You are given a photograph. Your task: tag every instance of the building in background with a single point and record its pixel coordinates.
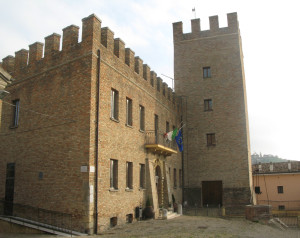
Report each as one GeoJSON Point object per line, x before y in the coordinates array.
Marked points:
{"type": "Point", "coordinates": [277, 184]}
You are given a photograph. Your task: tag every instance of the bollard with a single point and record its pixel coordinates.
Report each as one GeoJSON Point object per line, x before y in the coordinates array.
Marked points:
{"type": "Point", "coordinates": [179, 209]}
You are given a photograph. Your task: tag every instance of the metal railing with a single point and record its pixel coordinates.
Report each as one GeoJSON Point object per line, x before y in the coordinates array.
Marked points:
{"type": "Point", "coordinates": [53, 220]}
{"type": "Point", "coordinates": [157, 137]}
{"type": "Point", "coordinates": [281, 205]}
{"type": "Point", "coordinates": [207, 210]}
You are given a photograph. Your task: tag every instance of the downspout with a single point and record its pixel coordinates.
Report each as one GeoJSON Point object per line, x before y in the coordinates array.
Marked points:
{"type": "Point", "coordinates": [96, 142]}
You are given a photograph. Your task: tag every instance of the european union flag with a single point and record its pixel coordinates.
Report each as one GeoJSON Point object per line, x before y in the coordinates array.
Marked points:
{"type": "Point", "coordinates": [179, 141]}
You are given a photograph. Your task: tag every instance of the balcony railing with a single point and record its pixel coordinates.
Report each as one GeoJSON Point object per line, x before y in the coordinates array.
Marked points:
{"type": "Point", "coordinates": [158, 144]}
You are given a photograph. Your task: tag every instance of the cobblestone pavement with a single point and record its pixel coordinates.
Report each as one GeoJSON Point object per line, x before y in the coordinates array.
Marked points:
{"type": "Point", "coordinates": [189, 226]}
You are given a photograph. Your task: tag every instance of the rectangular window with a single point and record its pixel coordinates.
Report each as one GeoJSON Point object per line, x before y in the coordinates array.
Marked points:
{"type": "Point", "coordinates": [211, 139]}
{"type": "Point", "coordinates": [142, 118]}
{"type": "Point", "coordinates": [207, 105]}
{"type": "Point", "coordinates": [281, 207]}
{"type": "Point", "coordinates": [128, 112]}
{"type": "Point", "coordinates": [142, 176]}
{"type": "Point", "coordinates": [114, 104]}
{"type": "Point", "coordinates": [113, 174]}
{"type": "Point", "coordinates": [280, 189]}
{"type": "Point", "coordinates": [180, 178]}
{"type": "Point", "coordinates": [129, 174]}
{"type": "Point", "coordinates": [257, 190]}
{"type": "Point", "coordinates": [206, 72]}
{"type": "Point", "coordinates": [16, 110]}
{"type": "Point", "coordinates": [175, 179]}
{"type": "Point", "coordinates": [167, 126]}
{"type": "Point", "coordinates": [156, 128]}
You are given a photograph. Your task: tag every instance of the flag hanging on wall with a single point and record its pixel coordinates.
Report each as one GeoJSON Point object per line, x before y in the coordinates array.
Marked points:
{"type": "Point", "coordinates": [171, 135]}
{"type": "Point", "coordinates": [179, 141]}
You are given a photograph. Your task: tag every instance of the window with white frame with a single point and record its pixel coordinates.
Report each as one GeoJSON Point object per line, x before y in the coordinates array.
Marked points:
{"type": "Point", "coordinates": [128, 112]}
{"type": "Point", "coordinates": [113, 174]}
{"type": "Point", "coordinates": [114, 104]}
{"type": "Point", "coordinates": [129, 175]}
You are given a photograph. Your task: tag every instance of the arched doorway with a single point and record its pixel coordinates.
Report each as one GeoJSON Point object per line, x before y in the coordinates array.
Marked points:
{"type": "Point", "coordinates": [158, 182]}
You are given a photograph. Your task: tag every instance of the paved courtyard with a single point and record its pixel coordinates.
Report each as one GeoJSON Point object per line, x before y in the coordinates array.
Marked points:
{"type": "Point", "coordinates": [189, 226]}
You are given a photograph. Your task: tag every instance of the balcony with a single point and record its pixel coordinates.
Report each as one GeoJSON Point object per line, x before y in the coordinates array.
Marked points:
{"type": "Point", "coordinates": [157, 144]}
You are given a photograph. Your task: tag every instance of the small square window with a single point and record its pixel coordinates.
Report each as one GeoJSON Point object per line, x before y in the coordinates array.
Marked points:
{"type": "Point", "coordinates": [206, 72]}
{"type": "Point", "coordinates": [280, 189]}
{"type": "Point", "coordinates": [211, 139]}
{"type": "Point", "coordinates": [257, 190]}
{"type": "Point", "coordinates": [281, 207]}
{"type": "Point", "coordinates": [129, 218]}
{"type": "Point", "coordinates": [113, 221]}
{"type": "Point", "coordinates": [208, 105]}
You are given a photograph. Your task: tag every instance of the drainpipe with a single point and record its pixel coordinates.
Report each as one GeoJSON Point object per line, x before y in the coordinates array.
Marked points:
{"type": "Point", "coordinates": [96, 142]}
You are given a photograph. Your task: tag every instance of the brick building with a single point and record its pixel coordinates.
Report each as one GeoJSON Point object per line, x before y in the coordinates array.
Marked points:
{"type": "Point", "coordinates": [209, 76]}
{"type": "Point", "coordinates": [5, 78]}
{"type": "Point", "coordinates": [83, 127]}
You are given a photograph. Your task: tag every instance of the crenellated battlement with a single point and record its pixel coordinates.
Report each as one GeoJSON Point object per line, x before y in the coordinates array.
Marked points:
{"type": "Point", "coordinates": [58, 49]}
{"type": "Point", "coordinates": [214, 29]}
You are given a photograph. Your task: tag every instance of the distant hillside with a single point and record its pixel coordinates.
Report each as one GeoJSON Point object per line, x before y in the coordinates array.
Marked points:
{"type": "Point", "coordinates": [266, 159]}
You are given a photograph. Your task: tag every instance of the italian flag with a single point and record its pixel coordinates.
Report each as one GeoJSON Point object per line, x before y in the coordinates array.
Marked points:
{"type": "Point", "coordinates": [171, 135]}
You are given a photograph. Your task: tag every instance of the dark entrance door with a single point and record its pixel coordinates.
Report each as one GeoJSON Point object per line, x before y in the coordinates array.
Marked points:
{"type": "Point", "coordinates": [212, 193]}
{"type": "Point", "coordinates": [9, 189]}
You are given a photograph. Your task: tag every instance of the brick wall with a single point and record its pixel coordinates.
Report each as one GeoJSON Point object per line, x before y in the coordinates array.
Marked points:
{"type": "Point", "coordinates": [229, 160]}
{"type": "Point", "coordinates": [54, 145]}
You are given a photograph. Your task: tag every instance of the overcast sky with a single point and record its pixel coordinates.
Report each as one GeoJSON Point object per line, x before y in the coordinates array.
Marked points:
{"type": "Point", "coordinates": [271, 44]}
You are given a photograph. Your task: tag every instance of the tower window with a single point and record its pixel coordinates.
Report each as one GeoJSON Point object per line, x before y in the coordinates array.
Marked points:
{"type": "Point", "coordinates": [208, 105]}
{"type": "Point", "coordinates": [211, 139]}
{"type": "Point", "coordinates": [206, 72]}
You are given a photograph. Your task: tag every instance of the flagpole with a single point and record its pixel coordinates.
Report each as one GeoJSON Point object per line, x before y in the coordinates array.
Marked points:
{"type": "Point", "coordinates": [181, 127]}
{"type": "Point", "coordinates": [194, 10]}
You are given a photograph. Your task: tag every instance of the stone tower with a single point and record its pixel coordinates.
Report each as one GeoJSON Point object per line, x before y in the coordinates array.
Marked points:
{"type": "Point", "coordinates": [209, 77]}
